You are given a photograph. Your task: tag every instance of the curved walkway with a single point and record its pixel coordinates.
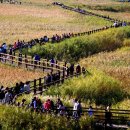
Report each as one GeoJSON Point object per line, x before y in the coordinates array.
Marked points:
{"type": "Point", "coordinates": [60, 69]}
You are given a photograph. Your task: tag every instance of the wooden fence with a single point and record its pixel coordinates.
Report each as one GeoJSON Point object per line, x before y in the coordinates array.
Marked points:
{"type": "Point", "coordinates": [87, 12]}
{"type": "Point", "coordinates": [26, 45]}
{"type": "Point", "coordinates": [29, 62]}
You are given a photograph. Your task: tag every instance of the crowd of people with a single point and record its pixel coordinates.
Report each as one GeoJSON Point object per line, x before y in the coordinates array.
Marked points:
{"type": "Point", "coordinates": [22, 44]}
{"type": "Point", "coordinates": [58, 38]}
{"type": "Point", "coordinates": [7, 94]}
{"type": "Point", "coordinates": [118, 24]}
{"type": "Point", "coordinates": [49, 106]}
{"type": "Point", "coordinates": [54, 39]}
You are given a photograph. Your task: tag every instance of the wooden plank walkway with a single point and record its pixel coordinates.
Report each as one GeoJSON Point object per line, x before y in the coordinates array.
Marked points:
{"type": "Point", "coordinates": [113, 126]}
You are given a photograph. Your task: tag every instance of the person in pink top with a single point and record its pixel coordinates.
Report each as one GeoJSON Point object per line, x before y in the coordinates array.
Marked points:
{"type": "Point", "coordinates": [47, 105]}
{"type": "Point", "coordinates": [15, 45]}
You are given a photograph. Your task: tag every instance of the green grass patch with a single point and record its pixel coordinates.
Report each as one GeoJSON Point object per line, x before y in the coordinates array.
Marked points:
{"type": "Point", "coordinates": [97, 88]}
{"type": "Point", "coordinates": [25, 22]}
{"type": "Point", "coordinates": [75, 48]}
{"type": "Point", "coordinates": [14, 118]}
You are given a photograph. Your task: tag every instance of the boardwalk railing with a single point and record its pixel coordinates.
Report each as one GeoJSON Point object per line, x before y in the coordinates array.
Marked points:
{"type": "Point", "coordinates": [87, 12]}
{"type": "Point", "coordinates": [29, 62]}
{"type": "Point", "coordinates": [58, 71]}
{"type": "Point", "coordinates": [40, 85]}
{"type": "Point", "coordinates": [36, 41]}
{"type": "Point", "coordinates": [70, 35]}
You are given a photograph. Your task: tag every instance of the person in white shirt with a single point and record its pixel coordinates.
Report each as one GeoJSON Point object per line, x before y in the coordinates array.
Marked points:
{"type": "Point", "coordinates": [27, 87]}
{"type": "Point", "coordinates": [75, 108]}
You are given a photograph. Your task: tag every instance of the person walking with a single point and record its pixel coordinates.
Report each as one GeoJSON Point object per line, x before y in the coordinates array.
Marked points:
{"type": "Point", "coordinates": [108, 116]}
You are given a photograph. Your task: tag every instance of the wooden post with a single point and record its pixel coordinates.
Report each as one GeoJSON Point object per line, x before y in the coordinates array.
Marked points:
{"type": "Point", "coordinates": [40, 81]}
{"type": "Point", "coordinates": [13, 57]}
{"type": "Point", "coordinates": [43, 66]}
{"type": "Point", "coordinates": [26, 61]}
{"type": "Point", "coordinates": [20, 59]}
{"type": "Point", "coordinates": [40, 86]}
{"type": "Point", "coordinates": [35, 86]}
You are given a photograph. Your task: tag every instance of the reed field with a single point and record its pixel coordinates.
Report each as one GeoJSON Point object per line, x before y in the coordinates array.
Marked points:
{"type": "Point", "coordinates": [105, 55]}
{"type": "Point", "coordinates": [25, 22]}
{"type": "Point", "coordinates": [111, 8]}
{"type": "Point", "coordinates": [116, 64]}
{"type": "Point", "coordinates": [11, 75]}
{"type": "Point", "coordinates": [75, 48]}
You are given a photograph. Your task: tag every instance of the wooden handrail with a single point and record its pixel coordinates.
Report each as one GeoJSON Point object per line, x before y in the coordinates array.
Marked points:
{"type": "Point", "coordinates": [32, 60]}
{"type": "Point", "coordinates": [55, 66]}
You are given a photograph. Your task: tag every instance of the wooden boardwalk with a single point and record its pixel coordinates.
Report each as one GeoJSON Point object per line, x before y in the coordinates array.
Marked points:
{"type": "Point", "coordinates": [101, 126]}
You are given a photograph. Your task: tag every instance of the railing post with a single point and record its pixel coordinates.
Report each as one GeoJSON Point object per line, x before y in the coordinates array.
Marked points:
{"type": "Point", "coordinates": [20, 59]}
{"type": "Point", "coordinates": [43, 66]}
{"type": "Point", "coordinates": [26, 61]}
{"type": "Point", "coordinates": [40, 81]}
{"type": "Point", "coordinates": [40, 86]}
{"type": "Point", "coordinates": [35, 86]}
{"type": "Point", "coordinates": [13, 57]}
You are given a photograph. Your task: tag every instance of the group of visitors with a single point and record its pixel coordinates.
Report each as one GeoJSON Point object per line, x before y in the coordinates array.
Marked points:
{"type": "Point", "coordinates": [59, 108]}
{"type": "Point", "coordinates": [22, 44]}
{"type": "Point", "coordinates": [48, 106]}
{"type": "Point", "coordinates": [58, 38]}
{"type": "Point", "coordinates": [56, 107]}
{"type": "Point", "coordinates": [52, 78]}
{"type": "Point", "coordinates": [79, 10]}
{"type": "Point", "coordinates": [118, 24]}
{"type": "Point", "coordinates": [68, 71]}
{"type": "Point", "coordinates": [7, 95]}
{"type": "Point", "coordinates": [124, 0]}
{"type": "Point", "coordinates": [29, 44]}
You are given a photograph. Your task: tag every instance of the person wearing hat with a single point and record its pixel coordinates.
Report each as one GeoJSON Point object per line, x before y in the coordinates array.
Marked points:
{"type": "Point", "coordinates": [108, 116]}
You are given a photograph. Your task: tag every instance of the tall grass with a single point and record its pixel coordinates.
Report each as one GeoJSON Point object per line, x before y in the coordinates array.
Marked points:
{"type": "Point", "coordinates": [9, 76]}
{"type": "Point", "coordinates": [115, 63]}
{"type": "Point", "coordinates": [13, 118]}
{"type": "Point", "coordinates": [96, 88]}
{"type": "Point", "coordinates": [26, 23]}
{"type": "Point", "coordinates": [76, 48]}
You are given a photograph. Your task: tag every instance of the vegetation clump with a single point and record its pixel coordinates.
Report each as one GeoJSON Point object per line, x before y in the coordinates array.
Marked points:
{"type": "Point", "coordinates": [96, 88]}
{"type": "Point", "coordinates": [76, 48]}
{"type": "Point", "coordinates": [22, 119]}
